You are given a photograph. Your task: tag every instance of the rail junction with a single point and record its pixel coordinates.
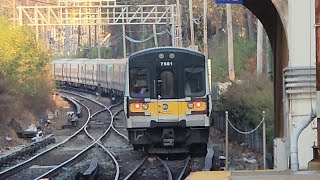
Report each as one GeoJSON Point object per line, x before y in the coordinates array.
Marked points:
{"type": "Point", "coordinates": [296, 68]}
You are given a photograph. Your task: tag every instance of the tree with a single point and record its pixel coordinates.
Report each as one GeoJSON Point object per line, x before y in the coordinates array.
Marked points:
{"type": "Point", "coordinates": [22, 61]}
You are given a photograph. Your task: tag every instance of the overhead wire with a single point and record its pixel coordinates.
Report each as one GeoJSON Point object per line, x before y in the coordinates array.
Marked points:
{"type": "Point", "coordinates": [138, 4]}
{"type": "Point", "coordinates": [147, 39]}
{"type": "Point", "coordinates": [43, 2]}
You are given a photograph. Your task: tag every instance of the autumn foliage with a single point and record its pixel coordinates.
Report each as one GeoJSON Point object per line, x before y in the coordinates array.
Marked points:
{"type": "Point", "coordinates": [23, 63]}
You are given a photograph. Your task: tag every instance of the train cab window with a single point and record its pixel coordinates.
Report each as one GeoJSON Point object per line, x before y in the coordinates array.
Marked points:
{"type": "Point", "coordinates": [139, 86]}
{"type": "Point", "coordinates": [167, 84]}
{"type": "Point", "coordinates": [194, 81]}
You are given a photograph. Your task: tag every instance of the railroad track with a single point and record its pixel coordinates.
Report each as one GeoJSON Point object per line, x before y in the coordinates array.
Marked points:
{"type": "Point", "coordinates": [95, 141]}
{"type": "Point", "coordinates": [164, 164]}
{"type": "Point", "coordinates": [27, 163]}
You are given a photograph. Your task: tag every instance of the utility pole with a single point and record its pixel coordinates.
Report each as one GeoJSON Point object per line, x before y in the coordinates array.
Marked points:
{"type": "Point", "coordinates": [259, 48]}
{"type": "Point", "coordinates": [79, 35]}
{"type": "Point", "coordinates": [173, 27]}
{"type": "Point", "coordinates": [14, 8]}
{"type": "Point", "coordinates": [124, 41]}
{"type": "Point", "coordinates": [89, 36]}
{"type": "Point", "coordinates": [179, 44]}
{"type": "Point", "coordinates": [167, 22]}
{"type": "Point", "coordinates": [155, 35]}
{"type": "Point", "coordinates": [191, 24]}
{"type": "Point", "coordinates": [230, 43]}
{"type": "Point", "coordinates": [99, 26]}
{"type": "Point", "coordinates": [205, 30]}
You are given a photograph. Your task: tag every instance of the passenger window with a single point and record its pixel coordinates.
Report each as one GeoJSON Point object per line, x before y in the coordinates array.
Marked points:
{"type": "Point", "coordinates": [194, 81]}
{"type": "Point", "coordinates": [167, 84]}
{"type": "Point", "coordinates": [139, 86]}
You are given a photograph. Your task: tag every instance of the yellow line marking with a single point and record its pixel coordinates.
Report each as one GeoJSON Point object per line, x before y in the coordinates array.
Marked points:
{"type": "Point", "coordinates": [208, 175]}
{"type": "Point", "coordinates": [267, 170]}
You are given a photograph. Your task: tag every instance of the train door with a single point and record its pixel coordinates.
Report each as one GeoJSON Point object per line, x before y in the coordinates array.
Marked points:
{"type": "Point", "coordinates": [93, 74]}
{"type": "Point", "coordinates": [99, 75]}
{"type": "Point", "coordinates": [167, 92]}
{"type": "Point", "coordinates": [78, 73]}
{"type": "Point", "coordinates": [62, 72]}
{"type": "Point", "coordinates": [70, 75]}
{"type": "Point", "coordinates": [82, 74]}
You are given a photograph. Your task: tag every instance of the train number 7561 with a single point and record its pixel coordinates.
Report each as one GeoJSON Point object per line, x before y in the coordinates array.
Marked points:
{"type": "Point", "coordinates": [166, 63]}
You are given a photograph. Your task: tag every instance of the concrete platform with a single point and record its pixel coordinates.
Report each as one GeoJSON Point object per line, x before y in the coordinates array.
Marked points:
{"type": "Point", "coordinates": [314, 165]}
{"type": "Point", "coordinates": [252, 175]}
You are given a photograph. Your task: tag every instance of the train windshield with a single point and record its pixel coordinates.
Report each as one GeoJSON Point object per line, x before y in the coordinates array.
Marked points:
{"type": "Point", "coordinates": [194, 81]}
{"type": "Point", "coordinates": [167, 84]}
{"type": "Point", "coordinates": [139, 86]}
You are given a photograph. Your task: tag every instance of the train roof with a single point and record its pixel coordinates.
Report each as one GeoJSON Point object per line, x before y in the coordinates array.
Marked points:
{"type": "Point", "coordinates": [161, 49]}
{"type": "Point", "coordinates": [92, 61]}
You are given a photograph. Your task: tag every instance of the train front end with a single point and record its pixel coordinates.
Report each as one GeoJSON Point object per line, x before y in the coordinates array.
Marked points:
{"type": "Point", "coordinates": [167, 100]}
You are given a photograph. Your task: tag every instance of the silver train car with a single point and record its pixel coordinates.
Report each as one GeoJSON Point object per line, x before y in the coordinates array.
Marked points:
{"type": "Point", "coordinates": [167, 100]}
{"type": "Point", "coordinates": [103, 75]}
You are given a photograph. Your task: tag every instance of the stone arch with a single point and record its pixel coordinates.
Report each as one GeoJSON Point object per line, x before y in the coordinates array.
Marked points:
{"type": "Point", "coordinates": [273, 15]}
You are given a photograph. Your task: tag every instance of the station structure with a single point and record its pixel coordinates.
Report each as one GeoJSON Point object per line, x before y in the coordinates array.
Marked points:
{"type": "Point", "coordinates": [293, 30]}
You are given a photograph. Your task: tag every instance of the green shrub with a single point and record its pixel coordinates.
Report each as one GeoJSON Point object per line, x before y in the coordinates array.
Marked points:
{"type": "Point", "coordinates": [244, 50]}
{"type": "Point", "coordinates": [245, 100]}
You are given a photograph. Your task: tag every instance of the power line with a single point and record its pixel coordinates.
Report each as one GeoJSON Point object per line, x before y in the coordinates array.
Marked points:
{"type": "Point", "coordinates": [42, 2]}
{"type": "Point", "coordinates": [147, 39]}
{"type": "Point", "coordinates": [141, 31]}
{"type": "Point", "coordinates": [148, 3]}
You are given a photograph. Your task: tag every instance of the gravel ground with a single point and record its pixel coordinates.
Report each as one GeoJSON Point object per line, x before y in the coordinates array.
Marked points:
{"type": "Point", "coordinates": [127, 157]}
{"type": "Point", "coordinates": [237, 153]}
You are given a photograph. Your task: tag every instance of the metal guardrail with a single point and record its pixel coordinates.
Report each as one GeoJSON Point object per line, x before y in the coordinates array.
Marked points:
{"type": "Point", "coordinates": [77, 105]}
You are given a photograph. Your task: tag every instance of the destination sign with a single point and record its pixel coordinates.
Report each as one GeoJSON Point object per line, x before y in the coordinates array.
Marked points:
{"type": "Point", "coordinates": [229, 1]}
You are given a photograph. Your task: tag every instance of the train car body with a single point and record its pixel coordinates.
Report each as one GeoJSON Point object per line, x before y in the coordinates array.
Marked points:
{"type": "Point", "coordinates": [167, 99]}
{"type": "Point", "coordinates": [102, 75]}
{"type": "Point", "coordinates": [167, 102]}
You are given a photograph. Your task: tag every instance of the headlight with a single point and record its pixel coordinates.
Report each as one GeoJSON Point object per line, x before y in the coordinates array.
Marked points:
{"type": "Point", "coordinates": [137, 105]}
{"type": "Point", "coordinates": [145, 106]}
{"type": "Point", "coordinates": [190, 105]}
{"type": "Point", "coordinates": [198, 104]}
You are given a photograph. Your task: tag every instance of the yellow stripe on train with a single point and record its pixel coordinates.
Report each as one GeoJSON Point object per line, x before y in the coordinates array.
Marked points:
{"type": "Point", "coordinates": [168, 108]}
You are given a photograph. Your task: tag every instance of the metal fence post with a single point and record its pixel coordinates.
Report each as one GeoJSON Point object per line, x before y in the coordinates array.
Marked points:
{"type": "Point", "coordinates": [227, 141]}
{"type": "Point", "coordinates": [264, 141]}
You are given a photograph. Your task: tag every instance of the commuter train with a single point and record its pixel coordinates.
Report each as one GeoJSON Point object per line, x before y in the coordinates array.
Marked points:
{"type": "Point", "coordinates": [167, 102]}
{"type": "Point", "coordinates": [103, 76]}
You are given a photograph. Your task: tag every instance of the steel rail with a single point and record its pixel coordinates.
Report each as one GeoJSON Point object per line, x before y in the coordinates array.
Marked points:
{"type": "Point", "coordinates": [136, 168]}
{"type": "Point", "coordinates": [17, 168]}
{"type": "Point", "coordinates": [166, 168]}
{"type": "Point", "coordinates": [163, 163]}
{"type": "Point", "coordinates": [119, 133]}
{"type": "Point", "coordinates": [184, 168]}
{"type": "Point", "coordinates": [57, 169]}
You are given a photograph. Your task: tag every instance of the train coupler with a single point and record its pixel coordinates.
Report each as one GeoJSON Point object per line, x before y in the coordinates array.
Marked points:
{"type": "Point", "coordinates": [168, 137]}
{"type": "Point", "coordinates": [168, 142]}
